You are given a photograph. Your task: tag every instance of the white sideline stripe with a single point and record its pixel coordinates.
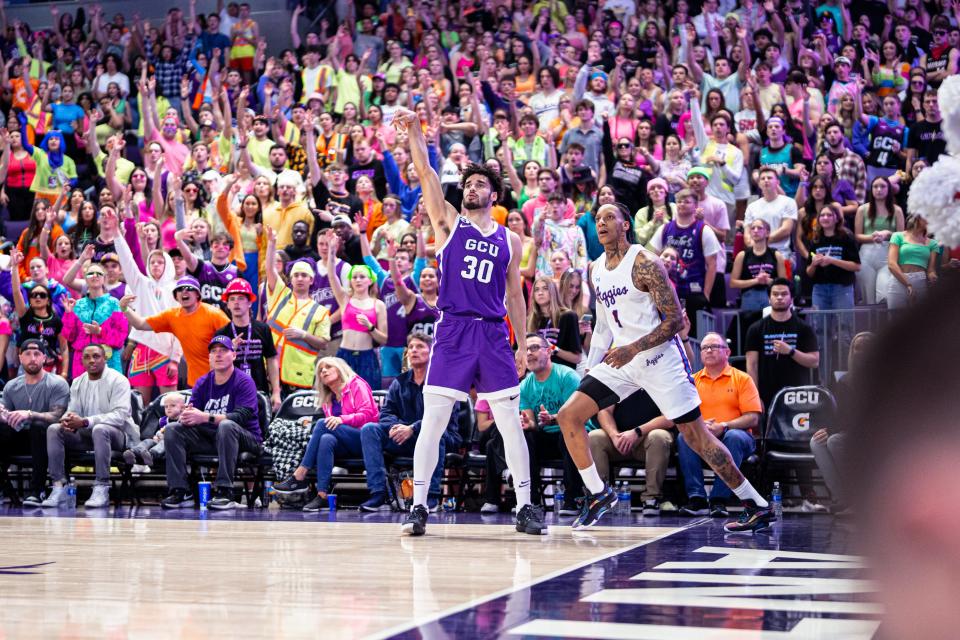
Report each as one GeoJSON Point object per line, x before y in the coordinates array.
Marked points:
{"type": "Point", "coordinates": [676, 598]}
{"type": "Point", "coordinates": [861, 586]}
{"type": "Point", "coordinates": [812, 628]}
{"type": "Point", "coordinates": [417, 622]}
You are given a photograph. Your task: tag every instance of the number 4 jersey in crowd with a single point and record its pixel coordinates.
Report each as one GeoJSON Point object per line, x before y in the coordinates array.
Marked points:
{"type": "Point", "coordinates": [471, 344]}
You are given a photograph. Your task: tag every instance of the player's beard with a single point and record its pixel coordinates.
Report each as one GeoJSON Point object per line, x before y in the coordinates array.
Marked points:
{"type": "Point", "coordinates": [474, 205]}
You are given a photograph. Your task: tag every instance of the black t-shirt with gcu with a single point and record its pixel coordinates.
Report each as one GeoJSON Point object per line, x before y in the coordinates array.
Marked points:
{"type": "Point", "coordinates": [776, 371]}
{"type": "Point", "coordinates": [257, 345]}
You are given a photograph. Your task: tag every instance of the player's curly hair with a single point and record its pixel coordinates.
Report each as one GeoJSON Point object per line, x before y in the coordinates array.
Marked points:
{"type": "Point", "coordinates": [496, 182]}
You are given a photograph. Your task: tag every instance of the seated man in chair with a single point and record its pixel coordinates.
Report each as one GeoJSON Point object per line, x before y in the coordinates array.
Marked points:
{"type": "Point", "coordinates": [98, 418]}
{"type": "Point", "coordinates": [399, 424]}
{"type": "Point", "coordinates": [731, 407]}
{"type": "Point", "coordinates": [31, 403]}
{"type": "Point", "coordinates": [222, 418]}
{"type": "Point", "coordinates": [634, 430]}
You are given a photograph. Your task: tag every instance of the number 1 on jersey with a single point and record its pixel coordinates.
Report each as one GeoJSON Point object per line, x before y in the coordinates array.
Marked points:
{"type": "Point", "coordinates": [616, 317]}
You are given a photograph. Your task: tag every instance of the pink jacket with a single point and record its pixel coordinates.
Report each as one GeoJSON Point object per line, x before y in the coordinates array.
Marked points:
{"type": "Point", "coordinates": [357, 406]}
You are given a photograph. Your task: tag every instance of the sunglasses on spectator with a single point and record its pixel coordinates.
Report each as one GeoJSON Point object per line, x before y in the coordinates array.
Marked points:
{"type": "Point", "coordinates": [41, 295]}
{"type": "Point", "coordinates": [939, 32]}
{"type": "Point", "coordinates": [624, 145]}
{"type": "Point", "coordinates": [91, 274]}
{"type": "Point", "coordinates": [191, 190]}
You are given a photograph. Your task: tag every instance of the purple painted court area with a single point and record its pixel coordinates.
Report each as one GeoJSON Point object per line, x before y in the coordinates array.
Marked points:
{"type": "Point", "coordinates": [562, 598]}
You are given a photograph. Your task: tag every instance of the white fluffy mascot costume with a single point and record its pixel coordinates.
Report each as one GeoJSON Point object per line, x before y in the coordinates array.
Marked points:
{"type": "Point", "coordinates": [935, 194]}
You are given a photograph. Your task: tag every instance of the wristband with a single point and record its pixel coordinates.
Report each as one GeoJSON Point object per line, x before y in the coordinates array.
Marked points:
{"type": "Point", "coordinates": [793, 350]}
{"type": "Point", "coordinates": [638, 431]}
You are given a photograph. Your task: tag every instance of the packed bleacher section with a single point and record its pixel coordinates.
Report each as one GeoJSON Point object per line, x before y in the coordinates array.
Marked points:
{"type": "Point", "coordinates": [234, 234]}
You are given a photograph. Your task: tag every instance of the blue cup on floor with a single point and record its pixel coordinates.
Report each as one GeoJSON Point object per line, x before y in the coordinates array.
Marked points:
{"type": "Point", "coordinates": [203, 493]}
{"type": "Point", "coordinates": [332, 501]}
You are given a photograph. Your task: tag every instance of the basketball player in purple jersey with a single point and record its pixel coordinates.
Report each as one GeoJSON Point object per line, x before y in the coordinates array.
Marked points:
{"type": "Point", "coordinates": [634, 347]}
{"type": "Point", "coordinates": [479, 284]}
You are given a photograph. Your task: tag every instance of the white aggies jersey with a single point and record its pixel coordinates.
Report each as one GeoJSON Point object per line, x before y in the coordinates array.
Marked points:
{"type": "Point", "coordinates": [629, 314]}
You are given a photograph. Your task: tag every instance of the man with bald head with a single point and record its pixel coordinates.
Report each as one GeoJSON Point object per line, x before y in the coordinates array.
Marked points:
{"type": "Point", "coordinates": [731, 408]}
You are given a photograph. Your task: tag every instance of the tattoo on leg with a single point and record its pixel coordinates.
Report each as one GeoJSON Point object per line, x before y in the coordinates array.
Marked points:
{"type": "Point", "coordinates": [718, 457]}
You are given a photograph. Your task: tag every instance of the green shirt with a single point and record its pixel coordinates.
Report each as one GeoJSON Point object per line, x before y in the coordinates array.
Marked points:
{"type": "Point", "coordinates": [48, 180]}
{"type": "Point", "coordinates": [552, 393]}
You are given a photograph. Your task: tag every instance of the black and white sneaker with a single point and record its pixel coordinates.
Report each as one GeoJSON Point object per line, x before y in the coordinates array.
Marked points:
{"type": "Point", "coordinates": [32, 500]}
{"type": "Point", "coordinates": [223, 501]}
{"type": "Point", "coordinates": [651, 507]}
{"type": "Point", "coordinates": [291, 485]}
{"type": "Point", "coordinates": [317, 504]}
{"type": "Point", "coordinates": [718, 510]}
{"type": "Point", "coordinates": [752, 519]}
{"type": "Point", "coordinates": [696, 507]}
{"type": "Point", "coordinates": [415, 524]}
{"type": "Point", "coordinates": [530, 520]}
{"type": "Point", "coordinates": [178, 499]}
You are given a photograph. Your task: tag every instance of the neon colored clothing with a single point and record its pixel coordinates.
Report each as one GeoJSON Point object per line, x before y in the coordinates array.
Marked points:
{"type": "Point", "coordinates": [352, 313]}
{"type": "Point", "coordinates": [122, 172]}
{"type": "Point", "coordinates": [194, 331]}
{"type": "Point", "coordinates": [48, 181]}
{"type": "Point", "coordinates": [281, 219]}
{"type": "Point", "coordinates": [105, 311]}
{"type": "Point", "coordinates": [33, 251]}
{"type": "Point", "coordinates": [357, 406]}
{"type": "Point", "coordinates": [244, 35]}
{"type": "Point", "coordinates": [297, 357]}
{"type": "Point", "coordinates": [728, 396]}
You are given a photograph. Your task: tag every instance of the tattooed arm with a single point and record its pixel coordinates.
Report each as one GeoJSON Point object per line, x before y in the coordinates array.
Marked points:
{"type": "Point", "coordinates": [650, 276]}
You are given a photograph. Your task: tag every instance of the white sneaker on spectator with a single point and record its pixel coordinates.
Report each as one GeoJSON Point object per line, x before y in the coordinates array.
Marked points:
{"type": "Point", "coordinates": [339, 471]}
{"type": "Point", "coordinates": [57, 498]}
{"type": "Point", "coordinates": [100, 497]}
{"type": "Point", "coordinates": [489, 507]}
{"type": "Point", "coordinates": [668, 507]}
{"type": "Point", "coordinates": [138, 469]}
{"type": "Point", "coordinates": [813, 507]}
{"type": "Point", "coordinates": [627, 473]}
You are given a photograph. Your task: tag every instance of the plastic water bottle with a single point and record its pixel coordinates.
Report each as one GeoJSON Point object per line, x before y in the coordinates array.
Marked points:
{"type": "Point", "coordinates": [777, 499]}
{"type": "Point", "coordinates": [267, 494]}
{"type": "Point", "coordinates": [558, 496]}
{"type": "Point", "coordinates": [72, 493]}
{"type": "Point", "coordinates": [625, 498]}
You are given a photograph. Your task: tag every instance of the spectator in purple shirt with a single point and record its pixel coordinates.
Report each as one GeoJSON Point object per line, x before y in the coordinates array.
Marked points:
{"type": "Point", "coordinates": [222, 418]}
{"type": "Point", "coordinates": [214, 274]}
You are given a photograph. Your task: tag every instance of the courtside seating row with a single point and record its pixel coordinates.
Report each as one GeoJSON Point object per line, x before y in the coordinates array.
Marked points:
{"type": "Point", "coordinates": [794, 415]}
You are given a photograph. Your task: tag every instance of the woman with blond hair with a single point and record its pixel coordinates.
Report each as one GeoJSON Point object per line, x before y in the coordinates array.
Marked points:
{"type": "Point", "coordinates": [347, 403]}
{"type": "Point", "coordinates": [558, 325]}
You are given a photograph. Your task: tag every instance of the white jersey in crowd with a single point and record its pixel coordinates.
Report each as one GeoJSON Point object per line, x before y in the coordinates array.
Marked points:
{"type": "Point", "coordinates": [627, 312]}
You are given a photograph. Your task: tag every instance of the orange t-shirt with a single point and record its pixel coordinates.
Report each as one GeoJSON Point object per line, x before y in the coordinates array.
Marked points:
{"type": "Point", "coordinates": [194, 331]}
{"type": "Point", "coordinates": [727, 397]}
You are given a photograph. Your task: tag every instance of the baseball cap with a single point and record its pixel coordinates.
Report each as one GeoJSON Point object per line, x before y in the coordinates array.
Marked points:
{"type": "Point", "coordinates": [842, 60]}
{"type": "Point", "coordinates": [33, 343]}
{"type": "Point", "coordinates": [224, 341]}
{"type": "Point", "coordinates": [110, 257]}
{"type": "Point", "coordinates": [187, 282]}
{"type": "Point", "coordinates": [239, 285]}
{"type": "Point", "coordinates": [582, 175]}
{"type": "Point", "coordinates": [340, 219]}
{"type": "Point", "coordinates": [314, 96]}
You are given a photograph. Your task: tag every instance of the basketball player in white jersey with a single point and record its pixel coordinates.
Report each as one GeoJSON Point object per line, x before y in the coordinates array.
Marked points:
{"type": "Point", "coordinates": [479, 285]}
{"type": "Point", "coordinates": [635, 346]}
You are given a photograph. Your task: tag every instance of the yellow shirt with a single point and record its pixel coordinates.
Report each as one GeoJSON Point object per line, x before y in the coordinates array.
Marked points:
{"type": "Point", "coordinates": [297, 358]}
{"type": "Point", "coordinates": [282, 219]}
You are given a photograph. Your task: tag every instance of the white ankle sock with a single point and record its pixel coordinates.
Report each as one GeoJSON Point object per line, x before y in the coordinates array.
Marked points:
{"type": "Point", "coordinates": [591, 479]}
{"type": "Point", "coordinates": [747, 492]}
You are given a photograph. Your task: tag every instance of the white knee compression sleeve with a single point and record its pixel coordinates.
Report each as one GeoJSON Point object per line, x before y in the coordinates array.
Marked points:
{"type": "Point", "coordinates": [436, 416]}
{"type": "Point", "coordinates": [506, 413]}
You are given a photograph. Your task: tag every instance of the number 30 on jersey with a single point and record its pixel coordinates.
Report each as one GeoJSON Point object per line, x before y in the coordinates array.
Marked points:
{"type": "Point", "coordinates": [479, 270]}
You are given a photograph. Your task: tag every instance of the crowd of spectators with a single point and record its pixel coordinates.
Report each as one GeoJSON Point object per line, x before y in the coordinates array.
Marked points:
{"type": "Point", "coordinates": [189, 212]}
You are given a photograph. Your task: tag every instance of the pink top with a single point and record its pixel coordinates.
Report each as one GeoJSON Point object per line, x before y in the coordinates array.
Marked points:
{"type": "Point", "coordinates": [174, 153]}
{"type": "Point", "coordinates": [357, 407]}
{"type": "Point", "coordinates": [350, 313]}
{"type": "Point", "coordinates": [57, 268]}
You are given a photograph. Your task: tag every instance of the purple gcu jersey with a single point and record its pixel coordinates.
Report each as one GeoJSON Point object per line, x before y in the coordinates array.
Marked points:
{"type": "Point", "coordinates": [882, 138]}
{"type": "Point", "coordinates": [692, 265]}
{"type": "Point", "coordinates": [322, 294]}
{"type": "Point", "coordinates": [422, 317]}
{"type": "Point", "coordinates": [396, 315]}
{"type": "Point", "coordinates": [214, 281]}
{"type": "Point", "coordinates": [471, 346]}
{"type": "Point", "coordinates": [474, 272]}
